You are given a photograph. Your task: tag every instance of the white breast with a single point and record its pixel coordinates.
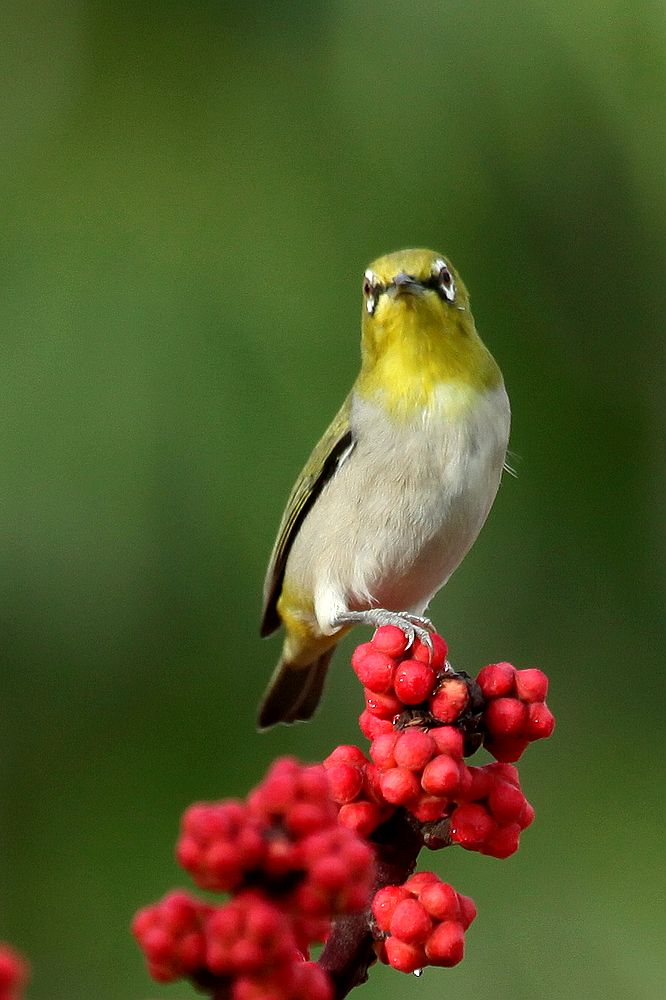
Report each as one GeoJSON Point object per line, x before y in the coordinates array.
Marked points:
{"type": "Point", "coordinates": [401, 512]}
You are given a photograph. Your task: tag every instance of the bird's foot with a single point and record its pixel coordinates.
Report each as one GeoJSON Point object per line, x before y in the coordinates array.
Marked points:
{"type": "Point", "coordinates": [414, 626]}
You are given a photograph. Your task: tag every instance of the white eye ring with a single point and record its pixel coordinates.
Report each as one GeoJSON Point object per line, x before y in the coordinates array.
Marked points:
{"type": "Point", "coordinates": [369, 282]}
{"type": "Point", "coordinates": [446, 283]}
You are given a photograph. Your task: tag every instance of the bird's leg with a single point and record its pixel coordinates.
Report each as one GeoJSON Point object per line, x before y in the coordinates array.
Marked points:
{"type": "Point", "coordinates": [414, 626]}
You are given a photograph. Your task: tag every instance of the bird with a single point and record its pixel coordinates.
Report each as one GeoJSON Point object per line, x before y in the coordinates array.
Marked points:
{"type": "Point", "coordinates": [398, 488]}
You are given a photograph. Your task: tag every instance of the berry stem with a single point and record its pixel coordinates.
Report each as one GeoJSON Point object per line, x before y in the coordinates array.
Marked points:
{"type": "Point", "coordinates": [349, 952]}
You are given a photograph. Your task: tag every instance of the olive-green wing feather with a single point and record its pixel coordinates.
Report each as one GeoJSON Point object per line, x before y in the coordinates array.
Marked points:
{"type": "Point", "coordinates": [324, 460]}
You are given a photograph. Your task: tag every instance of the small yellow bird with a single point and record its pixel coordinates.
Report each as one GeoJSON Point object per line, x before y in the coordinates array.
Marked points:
{"type": "Point", "coordinates": [397, 490]}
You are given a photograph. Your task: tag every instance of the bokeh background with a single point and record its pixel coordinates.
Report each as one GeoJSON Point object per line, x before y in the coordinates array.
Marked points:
{"type": "Point", "coordinates": [190, 193]}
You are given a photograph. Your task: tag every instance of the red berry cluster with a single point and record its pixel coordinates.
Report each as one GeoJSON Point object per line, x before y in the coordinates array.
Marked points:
{"type": "Point", "coordinates": [394, 682]}
{"type": "Point", "coordinates": [354, 784]}
{"type": "Point", "coordinates": [171, 935]}
{"type": "Point", "coordinates": [398, 681]}
{"type": "Point", "coordinates": [298, 853]}
{"type": "Point", "coordinates": [286, 836]}
{"type": "Point", "coordinates": [422, 771]}
{"type": "Point", "coordinates": [292, 867]}
{"type": "Point", "coordinates": [247, 942]}
{"type": "Point", "coordinates": [515, 712]}
{"type": "Point", "coordinates": [491, 822]}
{"type": "Point", "coordinates": [13, 973]}
{"type": "Point", "coordinates": [426, 774]}
{"type": "Point", "coordinates": [250, 941]}
{"type": "Point", "coordinates": [422, 922]}
{"type": "Point", "coordinates": [292, 981]}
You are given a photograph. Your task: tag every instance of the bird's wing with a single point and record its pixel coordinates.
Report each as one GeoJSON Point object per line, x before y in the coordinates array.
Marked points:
{"type": "Point", "coordinates": [333, 448]}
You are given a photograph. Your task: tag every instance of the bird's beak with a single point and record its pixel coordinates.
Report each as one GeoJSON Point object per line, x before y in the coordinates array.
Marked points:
{"type": "Point", "coordinates": [405, 284]}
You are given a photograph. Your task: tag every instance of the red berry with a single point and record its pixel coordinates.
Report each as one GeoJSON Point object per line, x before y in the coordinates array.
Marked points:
{"type": "Point", "coordinates": [371, 726]}
{"type": "Point", "coordinates": [345, 754]}
{"type": "Point", "coordinates": [313, 783]}
{"type": "Point", "coordinates": [413, 682]}
{"type": "Point", "coordinates": [506, 802]}
{"type": "Point", "coordinates": [448, 740]}
{"type": "Point", "coordinates": [329, 873]}
{"type": "Point", "coordinates": [385, 902]}
{"type": "Point", "coordinates": [311, 981]}
{"type": "Point", "coordinates": [410, 922]}
{"type": "Point", "coordinates": [471, 826]}
{"type": "Point", "coordinates": [311, 901]}
{"type": "Point", "coordinates": [382, 749]}
{"type": "Point", "coordinates": [540, 722]}
{"type": "Point", "coordinates": [372, 785]}
{"type": "Point", "coordinates": [384, 706]}
{"type": "Point", "coordinates": [404, 957]}
{"type": "Point", "coordinates": [399, 786]}
{"type": "Point", "coordinates": [446, 944]}
{"type": "Point", "coordinates": [496, 680]}
{"type": "Point", "coordinates": [450, 700]}
{"type": "Point", "coordinates": [441, 776]}
{"type": "Point", "coordinates": [436, 657]}
{"type": "Point", "coordinates": [360, 653]}
{"type": "Point", "coordinates": [307, 817]}
{"type": "Point", "coordinates": [505, 717]}
{"type": "Point", "coordinates": [480, 784]}
{"type": "Point", "coordinates": [421, 652]}
{"type": "Point", "coordinates": [417, 882]}
{"type": "Point", "coordinates": [503, 841]}
{"type": "Point", "coordinates": [413, 749]}
{"type": "Point", "coordinates": [358, 855]}
{"type": "Point", "coordinates": [440, 900]}
{"type": "Point", "coordinates": [361, 817]}
{"type": "Point", "coordinates": [527, 816]}
{"type": "Point", "coordinates": [531, 685]}
{"type": "Point", "coordinates": [346, 781]}
{"type": "Point", "coordinates": [13, 972]}
{"type": "Point", "coordinates": [354, 898]}
{"type": "Point", "coordinates": [467, 910]}
{"type": "Point", "coordinates": [508, 772]}
{"type": "Point", "coordinates": [428, 808]}
{"type": "Point", "coordinates": [278, 789]}
{"type": "Point", "coordinates": [390, 639]}
{"type": "Point", "coordinates": [375, 671]}
{"type": "Point", "coordinates": [467, 782]}
{"type": "Point", "coordinates": [506, 748]}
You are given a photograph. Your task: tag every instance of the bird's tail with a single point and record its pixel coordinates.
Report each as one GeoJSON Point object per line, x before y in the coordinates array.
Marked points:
{"type": "Point", "coordinates": [293, 692]}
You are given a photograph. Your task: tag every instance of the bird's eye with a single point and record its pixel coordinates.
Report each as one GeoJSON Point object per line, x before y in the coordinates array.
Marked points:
{"type": "Point", "coordinates": [447, 285]}
{"type": "Point", "coordinates": [370, 291]}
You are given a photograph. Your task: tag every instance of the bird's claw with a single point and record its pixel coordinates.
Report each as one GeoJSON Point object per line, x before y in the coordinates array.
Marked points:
{"type": "Point", "coordinates": [420, 628]}
{"type": "Point", "coordinates": [414, 632]}
{"type": "Point", "coordinates": [414, 626]}
{"type": "Point", "coordinates": [425, 623]}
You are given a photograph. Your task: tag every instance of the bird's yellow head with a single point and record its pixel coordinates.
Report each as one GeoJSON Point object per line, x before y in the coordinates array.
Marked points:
{"type": "Point", "coordinates": [418, 331]}
{"type": "Point", "coordinates": [419, 280]}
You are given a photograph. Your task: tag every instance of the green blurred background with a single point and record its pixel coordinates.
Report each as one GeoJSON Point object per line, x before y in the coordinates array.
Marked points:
{"type": "Point", "coordinates": [190, 193]}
